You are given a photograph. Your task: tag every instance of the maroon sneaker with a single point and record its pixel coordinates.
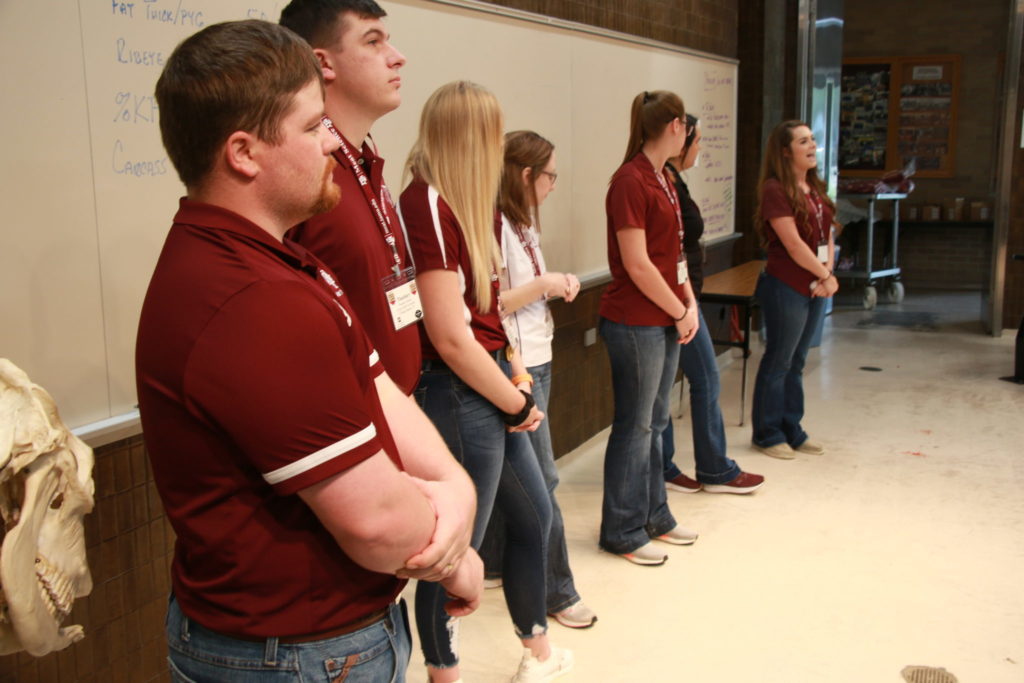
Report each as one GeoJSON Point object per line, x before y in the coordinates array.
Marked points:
{"type": "Point", "coordinates": [743, 483]}
{"type": "Point", "coordinates": [683, 484]}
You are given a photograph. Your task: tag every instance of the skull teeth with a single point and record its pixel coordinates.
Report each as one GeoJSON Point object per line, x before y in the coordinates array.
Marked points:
{"type": "Point", "coordinates": [55, 588]}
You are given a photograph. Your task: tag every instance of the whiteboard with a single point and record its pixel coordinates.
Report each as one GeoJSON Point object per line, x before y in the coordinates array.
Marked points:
{"type": "Point", "coordinates": [88, 191]}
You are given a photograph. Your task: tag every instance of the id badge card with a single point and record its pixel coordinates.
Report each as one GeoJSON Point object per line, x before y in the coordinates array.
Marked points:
{"type": "Point", "coordinates": [823, 253]}
{"type": "Point", "coordinates": [682, 274]}
{"type": "Point", "coordinates": [403, 298]}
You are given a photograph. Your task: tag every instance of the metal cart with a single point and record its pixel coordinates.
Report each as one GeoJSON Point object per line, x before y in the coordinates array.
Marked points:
{"type": "Point", "coordinates": [890, 267]}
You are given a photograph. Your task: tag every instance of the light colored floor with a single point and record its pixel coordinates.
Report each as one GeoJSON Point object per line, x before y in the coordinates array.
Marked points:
{"type": "Point", "coordinates": [903, 545]}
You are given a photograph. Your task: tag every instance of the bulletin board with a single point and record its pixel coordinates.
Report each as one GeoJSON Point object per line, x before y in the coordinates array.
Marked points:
{"type": "Point", "coordinates": [896, 109]}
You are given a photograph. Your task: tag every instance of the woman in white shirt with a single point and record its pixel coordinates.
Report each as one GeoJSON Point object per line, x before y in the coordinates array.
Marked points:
{"type": "Point", "coordinates": [527, 179]}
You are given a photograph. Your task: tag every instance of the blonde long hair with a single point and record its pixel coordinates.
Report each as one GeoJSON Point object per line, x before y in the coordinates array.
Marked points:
{"type": "Point", "coordinates": [459, 153]}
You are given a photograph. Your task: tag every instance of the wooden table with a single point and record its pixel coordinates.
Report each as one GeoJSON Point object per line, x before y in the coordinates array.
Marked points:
{"type": "Point", "coordinates": [735, 287]}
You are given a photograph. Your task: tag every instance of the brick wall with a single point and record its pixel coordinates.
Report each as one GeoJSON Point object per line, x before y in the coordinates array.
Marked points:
{"type": "Point", "coordinates": [708, 25]}
{"type": "Point", "coordinates": [932, 256]}
{"type": "Point", "coordinates": [880, 28]}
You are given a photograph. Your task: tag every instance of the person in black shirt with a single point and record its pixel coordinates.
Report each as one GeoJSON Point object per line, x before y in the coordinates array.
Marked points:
{"type": "Point", "coordinates": [716, 472]}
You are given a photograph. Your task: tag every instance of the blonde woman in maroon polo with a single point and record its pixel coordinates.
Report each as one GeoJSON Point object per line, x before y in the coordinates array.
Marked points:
{"type": "Point", "coordinates": [473, 384]}
{"type": "Point", "coordinates": [646, 312]}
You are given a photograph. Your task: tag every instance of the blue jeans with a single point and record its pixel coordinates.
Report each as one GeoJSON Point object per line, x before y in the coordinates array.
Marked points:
{"type": "Point", "coordinates": [378, 652]}
{"type": "Point", "coordinates": [790, 321]}
{"type": "Point", "coordinates": [506, 474]}
{"type": "Point", "coordinates": [561, 590]}
{"type": "Point", "coordinates": [701, 370]}
{"type": "Point", "coordinates": [643, 363]}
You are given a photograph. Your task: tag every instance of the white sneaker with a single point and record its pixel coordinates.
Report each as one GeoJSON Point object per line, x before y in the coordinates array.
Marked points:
{"type": "Point", "coordinates": [678, 535]}
{"type": "Point", "coordinates": [532, 670]}
{"type": "Point", "coordinates": [575, 616]}
{"type": "Point", "coordinates": [782, 451]}
{"type": "Point", "coordinates": [646, 554]}
{"type": "Point", "coordinates": [812, 447]}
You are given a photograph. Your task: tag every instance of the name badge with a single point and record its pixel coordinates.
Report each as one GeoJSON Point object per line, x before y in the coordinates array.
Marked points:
{"type": "Point", "coordinates": [823, 253]}
{"type": "Point", "coordinates": [403, 298]}
{"type": "Point", "coordinates": [682, 274]}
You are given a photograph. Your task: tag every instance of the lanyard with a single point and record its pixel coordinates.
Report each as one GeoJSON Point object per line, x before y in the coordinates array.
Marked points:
{"type": "Point", "coordinates": [364, 184]}
{"type": "Point", "coordinates": [671, 194]}
{"type": "Point", "coordinates": [818, 215]}
{"type": "Point", "coordinates": [528, 248]}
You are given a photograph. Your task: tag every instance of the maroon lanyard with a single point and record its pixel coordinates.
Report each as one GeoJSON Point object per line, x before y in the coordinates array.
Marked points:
{"type": "Point", "coordinates": [674, 200]}
{"type": "Point", "coordinates": [819, 217]}
{"type": "Point", "coordinates": [364, 184]}
{"type": "Point", "coordinates": [528, 248]}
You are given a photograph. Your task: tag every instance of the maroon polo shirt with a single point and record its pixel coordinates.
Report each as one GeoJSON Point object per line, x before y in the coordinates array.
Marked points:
{"type": "Point", "coordinates": [636, 199]}
{"type": "Point", "coordinates": [255, 380]}
{"type": "Point", "coordinates": [436, 242]}
{"type": "Point", "coordinates": [775, 204]}
{"type": "Point", "coordinates": [349, 239]}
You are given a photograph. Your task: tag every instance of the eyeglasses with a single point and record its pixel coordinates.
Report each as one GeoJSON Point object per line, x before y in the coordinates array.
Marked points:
{"type": "Point", "coordinates": [553, 176]}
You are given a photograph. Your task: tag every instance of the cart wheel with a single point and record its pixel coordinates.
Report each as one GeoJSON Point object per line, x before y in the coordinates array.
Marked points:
{"type": "Point", "coordinates": [870, 297]}
{"type": "Point", "coordinates": [896, 291]}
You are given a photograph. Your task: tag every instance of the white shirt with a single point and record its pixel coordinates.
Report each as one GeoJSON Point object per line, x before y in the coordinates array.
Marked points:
{"type": "Point", "coordinates": [529, 329]}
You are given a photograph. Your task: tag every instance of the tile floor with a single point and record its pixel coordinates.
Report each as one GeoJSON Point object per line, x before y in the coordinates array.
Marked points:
{"type": "Point", "coordinates": [903, 545]}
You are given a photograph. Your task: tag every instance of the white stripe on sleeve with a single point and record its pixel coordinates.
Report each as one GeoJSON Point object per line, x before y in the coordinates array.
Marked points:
{"type": "Point", "coordinates": [432, 198]}
{"type": "Point", "coordinates": [312, 460]}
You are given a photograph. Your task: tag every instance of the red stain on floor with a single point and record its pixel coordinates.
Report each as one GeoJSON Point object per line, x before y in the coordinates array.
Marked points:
{"type": "Point", "coordinates": [918, 454]}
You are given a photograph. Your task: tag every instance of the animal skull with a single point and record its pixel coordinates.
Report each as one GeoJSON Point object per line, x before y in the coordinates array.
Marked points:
{"type": "Point", "coordinates": [45, 489]}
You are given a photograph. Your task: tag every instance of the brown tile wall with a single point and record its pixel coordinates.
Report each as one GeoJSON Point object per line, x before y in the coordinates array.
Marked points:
{"type": "Point", "coordinates": [129, 545]}
{"type": "Point", "coordinates": [929, 255]}
{"type": "Point", "coordinates": [880, 28]}
{"type": "Point", "coordinates": [708, 25]}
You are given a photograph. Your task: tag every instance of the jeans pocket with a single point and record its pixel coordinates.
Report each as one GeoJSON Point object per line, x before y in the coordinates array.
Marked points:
{"type": "Point", "coordinates": [376, 663]}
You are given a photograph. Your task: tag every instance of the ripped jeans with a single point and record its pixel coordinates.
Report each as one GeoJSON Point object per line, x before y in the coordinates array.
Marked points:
{"type": "Point", "coordinates": [506, 474]}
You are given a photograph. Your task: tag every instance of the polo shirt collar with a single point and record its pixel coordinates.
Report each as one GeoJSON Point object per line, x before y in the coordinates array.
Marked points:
{"type": "Point", "coordinates": [212, 217]}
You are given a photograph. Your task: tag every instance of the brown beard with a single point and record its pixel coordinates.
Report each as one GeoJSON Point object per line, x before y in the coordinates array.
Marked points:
{"type": "Point", "coordinates": [330, 193]}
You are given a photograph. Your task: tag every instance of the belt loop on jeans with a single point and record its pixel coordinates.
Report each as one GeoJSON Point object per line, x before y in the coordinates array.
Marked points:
{"type": "Point", "coordinates": [270, 652]}
{"type": "Point", "coordinates": [185, 636]}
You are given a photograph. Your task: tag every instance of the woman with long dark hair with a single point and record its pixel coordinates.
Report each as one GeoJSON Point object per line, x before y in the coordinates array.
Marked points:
{"type": "Point", "coordinates": [448, 211]}
{"type": "Point", "coordinates": [646, 312]}
{"type": "Point", "coordinates": [794, 219]}
{"type": "Point", "coordinates": [716, 472]}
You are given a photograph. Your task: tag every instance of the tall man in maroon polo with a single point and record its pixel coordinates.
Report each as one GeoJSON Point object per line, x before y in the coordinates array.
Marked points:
{"type": "Point", "coordinates": [361, 239]}
{"type": "Point", "coordinates": [266, 410]}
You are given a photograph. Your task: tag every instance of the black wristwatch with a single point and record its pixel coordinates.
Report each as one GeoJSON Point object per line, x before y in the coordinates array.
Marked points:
{"type": "Point", "coordinates": [516, 419]}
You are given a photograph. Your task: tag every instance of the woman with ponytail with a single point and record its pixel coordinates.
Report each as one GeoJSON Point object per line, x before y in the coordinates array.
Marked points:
{"type": "Point", "coordinates": [794, 220]}
{"type": "Point", "coordinates": [646, 312]}
{"type": "Point", "coordinates": [448, 212]}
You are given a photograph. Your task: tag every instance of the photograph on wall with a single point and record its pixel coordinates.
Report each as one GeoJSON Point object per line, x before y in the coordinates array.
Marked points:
{"type": "Point", "coordinates": [864, 117]}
